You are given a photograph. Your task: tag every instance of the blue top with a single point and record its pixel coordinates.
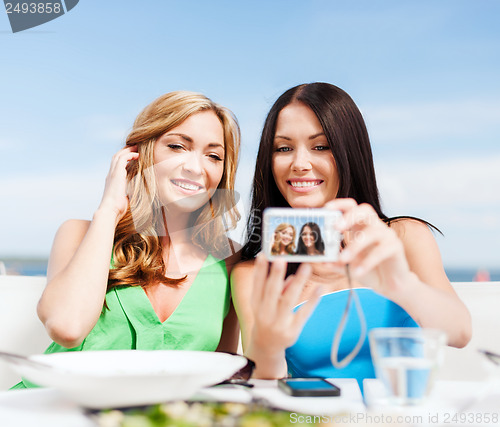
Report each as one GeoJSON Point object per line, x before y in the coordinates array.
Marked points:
{"type": "Point", "coordinates": [310, 355]}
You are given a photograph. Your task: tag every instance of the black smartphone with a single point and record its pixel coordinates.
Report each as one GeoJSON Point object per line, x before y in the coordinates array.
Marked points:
{"type": "Point", "coordinates": [308, 387]}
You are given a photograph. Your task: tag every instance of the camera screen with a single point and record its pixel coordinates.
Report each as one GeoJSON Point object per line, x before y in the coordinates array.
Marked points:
{"type": "Point", "coordinates": [301, 234]}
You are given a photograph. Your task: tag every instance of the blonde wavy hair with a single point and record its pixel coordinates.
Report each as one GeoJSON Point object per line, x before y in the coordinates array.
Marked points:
{"type": "Point", "coordinates": [138, 250]}
{"type": "Point", "coordinates": [290, 248]}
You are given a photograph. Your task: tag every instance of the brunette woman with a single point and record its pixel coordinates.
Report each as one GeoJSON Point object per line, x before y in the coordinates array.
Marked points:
{"type": "Point", "coordinates": [315, 152]}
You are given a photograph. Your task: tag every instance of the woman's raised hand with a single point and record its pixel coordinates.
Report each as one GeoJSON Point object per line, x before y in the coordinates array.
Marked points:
{"type": "Point", "coordinates": [115, 191]}
{"type": "Point", "coordinates": [373, 250]}
{"type": "Point", "coordinates": [276, 326]}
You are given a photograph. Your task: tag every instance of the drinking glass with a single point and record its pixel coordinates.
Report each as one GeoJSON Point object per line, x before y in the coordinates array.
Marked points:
{"type": "Point", "coordinates": [406, 361]}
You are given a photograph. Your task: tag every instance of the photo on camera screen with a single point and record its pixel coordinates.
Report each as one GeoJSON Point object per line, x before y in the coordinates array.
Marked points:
{"type": "Point", "coordinates": [301, 235]}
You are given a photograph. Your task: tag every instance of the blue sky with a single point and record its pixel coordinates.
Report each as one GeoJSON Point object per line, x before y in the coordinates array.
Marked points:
{"type": "Point", "coordinates": [425, 74]}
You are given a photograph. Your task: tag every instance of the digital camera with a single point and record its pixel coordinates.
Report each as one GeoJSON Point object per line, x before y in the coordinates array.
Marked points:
{"type": "Point", "coordinates": [301, 235]}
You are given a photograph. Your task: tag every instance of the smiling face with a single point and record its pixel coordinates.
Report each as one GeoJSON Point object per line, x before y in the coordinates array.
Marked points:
{"type": "Point", "coordinates": [303, 165]}
{"type": "Point", "coordinates": [308, 237]}
{"type": "Point", "coordinates": [286, 236]}
{"type": "Point", "coordinates": [189, 162]}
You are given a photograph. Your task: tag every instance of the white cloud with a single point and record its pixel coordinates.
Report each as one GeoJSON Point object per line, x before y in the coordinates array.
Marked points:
{"type": "Point", "coordinates": [106, 128]}
{"type": "Point", "coordinates": [429, 121]}
{"type": "Point", "coordinates": [34, 206]}
{"type": "Point", "coordinates": [441, 183]}
{"type": "Point", "coordinates": [459, 196]}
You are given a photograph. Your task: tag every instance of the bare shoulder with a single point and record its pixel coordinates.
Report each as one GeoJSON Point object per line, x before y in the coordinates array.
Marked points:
{"type": "Point", "coordinates": [242, 280]}
{"type": "Point", "coordinates": [413, 232]}
{"type": "Point", "coordinates": [242, 270]}
{"type": "Point", "coordinates": [422, 251]}
{"type": "Point", "coordinates": [242, 276]}
{"type": "Point", "coordinates": [74, 227]}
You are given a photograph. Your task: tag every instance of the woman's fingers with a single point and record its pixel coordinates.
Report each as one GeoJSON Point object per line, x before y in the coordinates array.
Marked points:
{"type": "Point", "coordinates": [273, 295]}
{"type": "Point", "coordinates": [122, 157]}
{"type": "Point", "coordinates": [372, 249]}
{"type": "Point", "coordinates": [360, 216]}
{"type": "Point", "coordinates": [274, 285]}
{"type": "Point", "coordinates": [367, 233]}
{"type": "Point", "coordinates": [343, 205]}
{"type": "Point", "coordinates": [362, 240]}
{"type": "Point", "coordinates": [115, 190]}
{"type": "Point", "coordinates": [294, 287]}
{"type": "Point", "coordinates": [369, 260]}
{"type": "Point", "coordinates": [268, 284]}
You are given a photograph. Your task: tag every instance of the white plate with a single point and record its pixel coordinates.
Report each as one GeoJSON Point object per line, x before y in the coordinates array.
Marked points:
{"type": "Point", "coordinates": [105, 379]}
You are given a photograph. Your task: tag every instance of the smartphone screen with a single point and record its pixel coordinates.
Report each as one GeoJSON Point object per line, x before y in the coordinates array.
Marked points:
{"type": "Point", "coordinates": [308, 387]}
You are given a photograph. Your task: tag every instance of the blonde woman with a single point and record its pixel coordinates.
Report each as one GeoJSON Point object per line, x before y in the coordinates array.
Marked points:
{"type": "Point", "coordinates": [148, 271]}
{"type": "Point", "coordinates": [284, 240]}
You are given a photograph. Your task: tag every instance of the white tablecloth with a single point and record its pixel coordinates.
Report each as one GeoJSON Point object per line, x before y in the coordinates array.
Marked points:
{"type": "Point", "coordinates": [453, 403]}
{"type": "Point", "coordinates": [48, 408]}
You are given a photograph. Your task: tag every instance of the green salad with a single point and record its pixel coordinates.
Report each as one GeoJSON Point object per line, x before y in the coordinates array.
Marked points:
{"type": "Point", "coordinates": [182, 414]}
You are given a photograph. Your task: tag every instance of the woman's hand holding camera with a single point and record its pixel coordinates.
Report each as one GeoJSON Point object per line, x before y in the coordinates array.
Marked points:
{"type": "Point", "coordinates": [373, 250]}
{"type": "Point", "coordinates": [275, 325]}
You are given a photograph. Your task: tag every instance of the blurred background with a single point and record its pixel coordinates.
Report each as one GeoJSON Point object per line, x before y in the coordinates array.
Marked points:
{"type": "Point", "coordinates": [425, 75]}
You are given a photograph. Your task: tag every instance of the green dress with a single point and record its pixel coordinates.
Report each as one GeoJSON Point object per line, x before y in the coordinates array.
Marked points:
{"type": "Point", "coordinates": [130, 321]}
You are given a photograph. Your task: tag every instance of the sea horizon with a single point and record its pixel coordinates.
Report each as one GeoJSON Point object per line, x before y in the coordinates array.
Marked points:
{"type": "Point", "coordinates": [37, 266]}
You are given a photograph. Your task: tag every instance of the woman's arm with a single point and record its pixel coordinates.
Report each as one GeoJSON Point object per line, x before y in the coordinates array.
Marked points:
{"type": "Point", "coordinates": [241, 291]}
{"type": "Point", "coordinates": [402, 262]}
{"type": "Point", "coordinates": [231, 329]}
{"type": "Point", "coordinates": [79, 263]}
{"type": "Point", "coordinates": [264, 305]}
{"type": "Point", "coordinates": [77, 278]}
{"type": "Point", "coordinates": [230, 332]}
{"type": "Point", "coordinates": [443, 308]}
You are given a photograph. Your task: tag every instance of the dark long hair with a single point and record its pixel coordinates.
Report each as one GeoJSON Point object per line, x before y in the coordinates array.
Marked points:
{"type": "Point", "coordinates": [348, 139]}
{"type": "Point", "coordinates": [319, 244]}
